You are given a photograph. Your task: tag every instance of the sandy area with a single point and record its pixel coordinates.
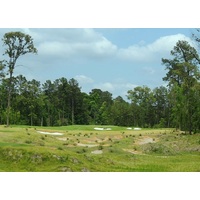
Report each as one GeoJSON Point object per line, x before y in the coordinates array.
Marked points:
{"type": "Point", "coordinates": [62, 139]}
{"type": "Point", "coordinates": [48, 133]}
{"type": "Point", "coordinates": [102, 129]}
{"type": "Point", "coordinates": [146, 141]}
{"type": "Point", "coordinates": [133, 151]}
{"type": "Point", "coordinates": [87, 145]}
{"type": "Point", "coordinates": [97, 152]}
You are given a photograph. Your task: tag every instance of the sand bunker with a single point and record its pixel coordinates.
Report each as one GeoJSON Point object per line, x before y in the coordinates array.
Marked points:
{"type": "Point", "coordinates": [48, 133]}
{"type": "Point", "coordinates": [102, 129]}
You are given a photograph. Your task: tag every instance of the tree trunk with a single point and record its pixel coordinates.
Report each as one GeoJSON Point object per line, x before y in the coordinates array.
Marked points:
{"type": "Point", "coordinates": [8, 110]}
{"type": "Point", "coordinates": [31, 119]}
{"type": "Point", "coordinates": [9, 98]}
{"type": "Point", "coordinates": [41, 121]}
{"type": "Point", "coordinates": [72, 111]}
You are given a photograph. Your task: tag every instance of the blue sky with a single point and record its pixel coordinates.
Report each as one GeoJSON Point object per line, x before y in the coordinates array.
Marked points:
{"type": "Point", "coordinates": [111, 59]}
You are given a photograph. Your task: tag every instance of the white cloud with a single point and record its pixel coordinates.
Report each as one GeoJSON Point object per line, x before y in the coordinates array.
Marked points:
{"type": "Point", "coordinates": [106, 86]}
{"type": "Point", "coordinates": [153, 51]}
{"type": "Point", "coordinates": [82, 79]}
{"type": "Point", "coordinates": [64, 43]}
{"type": "Point", "coordinates": [88, 43]}
{"type": "Point", "coordinates": [117, 88]}
{"type": "Point", "coordinates": [55, 49]}
{"type": "Point", "coordinates": [74, 42]}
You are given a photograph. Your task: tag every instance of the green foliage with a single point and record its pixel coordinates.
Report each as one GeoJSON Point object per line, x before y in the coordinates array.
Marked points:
{"type": "Point", "coordinates": [17, 44]}
{"type": "Point", "coordinates": [183, 76]}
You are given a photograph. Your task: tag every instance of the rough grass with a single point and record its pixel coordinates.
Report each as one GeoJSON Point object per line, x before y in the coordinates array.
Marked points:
{"type": "Point", "coordinates": [22, 148]}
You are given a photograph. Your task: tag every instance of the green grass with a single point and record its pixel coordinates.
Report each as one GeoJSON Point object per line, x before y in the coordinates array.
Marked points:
{"type": "Point", "coordinates": [22, 148]}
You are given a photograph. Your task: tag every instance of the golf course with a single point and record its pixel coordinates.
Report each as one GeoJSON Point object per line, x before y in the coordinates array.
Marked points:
{"type": "Point", "coordinates": [54, 125]}
{"type": "Point", "coordinates": [90, 148]}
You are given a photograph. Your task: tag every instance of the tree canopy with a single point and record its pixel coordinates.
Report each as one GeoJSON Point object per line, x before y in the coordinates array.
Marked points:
{"type": "Point", "coordinates": [16, 44]}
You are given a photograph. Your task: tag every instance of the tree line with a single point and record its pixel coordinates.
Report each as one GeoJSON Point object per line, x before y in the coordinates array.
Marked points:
{"type": "Point", "coordinates": [61, 102]}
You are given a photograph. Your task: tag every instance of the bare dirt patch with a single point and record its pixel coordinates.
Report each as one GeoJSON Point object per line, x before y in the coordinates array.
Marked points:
{"type": "Point", "coordinates": [97, 152]}
{"type": "Point", "coordinates": [62, 139]}
{"type": "Point", "coordinates": [146, 140]}
{"type": "Point", "coordinates": [87, 145]}
{"type": "Point", "coordinates": [133, 151]}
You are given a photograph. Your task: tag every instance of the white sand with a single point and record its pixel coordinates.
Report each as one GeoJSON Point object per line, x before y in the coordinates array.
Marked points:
{"type": "Point", "coordinates": [102, 129]}
{"type": "Point", "coordinates": [48, 133]}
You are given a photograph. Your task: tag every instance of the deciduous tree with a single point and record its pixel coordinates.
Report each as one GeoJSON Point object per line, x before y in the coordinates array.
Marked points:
{"type": "Point", "coordinates": [16, 44]}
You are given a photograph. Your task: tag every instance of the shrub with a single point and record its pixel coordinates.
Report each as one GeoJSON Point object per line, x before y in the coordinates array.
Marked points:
{"type": "Point", "coordinates": [158, 149]}
{"type": "Point", "coordinates": [43, 138]}
{"type": "Point", "coordinates": [84, 150]}
{"type": "Point", "coordinates": [100, 147]}
{"type": "Point", "coordinates": [135, 148]}
{"type": "Point", "coordinates": [111, 150]}
{"type": "Point", "coordinates": [28, 141]}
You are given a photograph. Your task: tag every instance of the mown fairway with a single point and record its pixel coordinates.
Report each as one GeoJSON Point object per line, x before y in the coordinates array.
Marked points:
{"type": "Point", "coordinates": [82, 148]}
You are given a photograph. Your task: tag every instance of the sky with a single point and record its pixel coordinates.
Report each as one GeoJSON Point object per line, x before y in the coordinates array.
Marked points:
{"type": "Point", "coordinates": [110, 59]}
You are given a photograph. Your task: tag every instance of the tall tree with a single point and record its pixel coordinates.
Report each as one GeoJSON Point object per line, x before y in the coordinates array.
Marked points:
{"type": "Point", "coordinates": [143, 100]}
{"type": "Point", "coordinates": [17, 44]}
{"type": "Point", "coordinates": [161, 107]}
{"type": "Point", "coordinates": [183, 74]}
{"type": "Point", "coordinates": [74, 97]}
{"type": "Point", "coordinates": [121, 114]}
